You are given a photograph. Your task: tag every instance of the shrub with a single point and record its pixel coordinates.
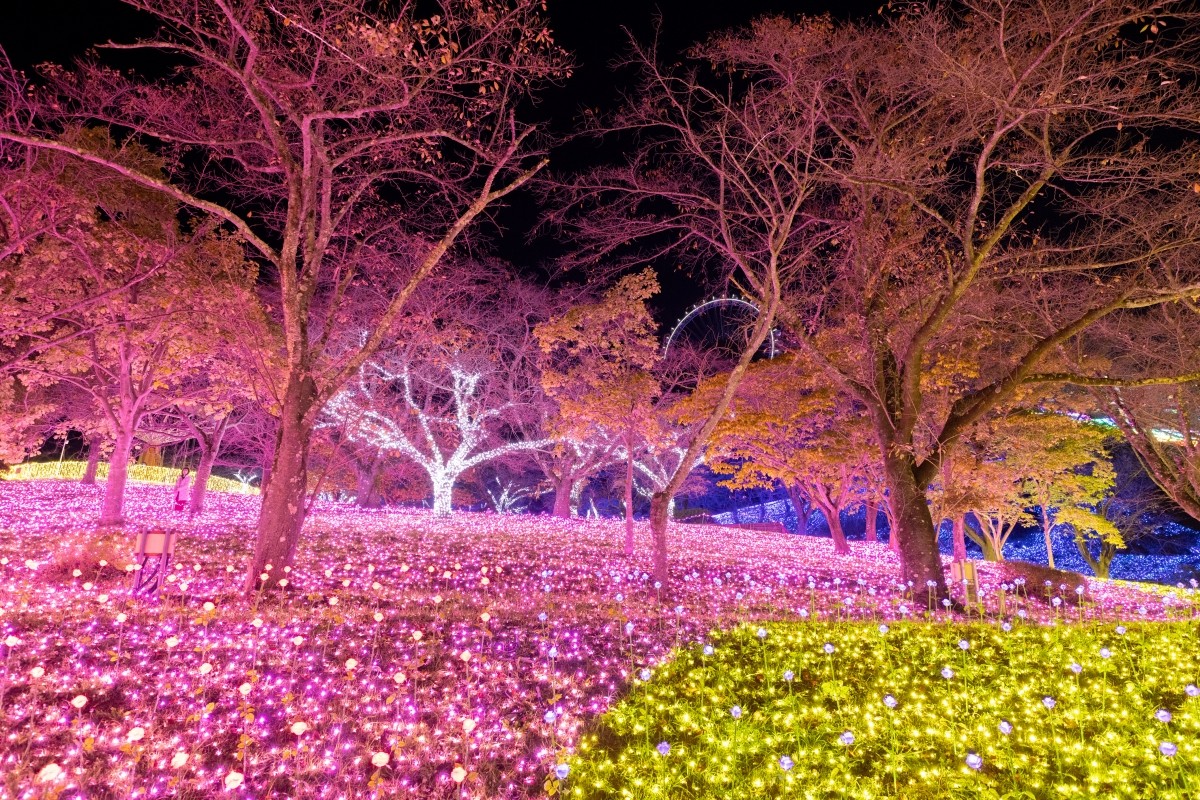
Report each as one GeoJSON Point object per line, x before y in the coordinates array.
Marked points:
{"type": "Point", "coordinates": [909, 711]}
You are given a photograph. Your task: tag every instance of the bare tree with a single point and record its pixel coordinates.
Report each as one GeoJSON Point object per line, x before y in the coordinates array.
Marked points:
{"type": "Point", "coordinates": [308, 115]}
{"type": "Point", "coordinates": [714, 179]}
{"type": "Point", "coordinates": [1006, 175]}
{"type": "Point", "coordinates": [1160, 422]}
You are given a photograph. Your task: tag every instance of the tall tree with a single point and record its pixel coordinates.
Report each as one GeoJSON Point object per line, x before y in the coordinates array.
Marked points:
{"type": "Point", "coordinates": [787, 425]}
{"type": "Point", "coordinates": [1161, 423]}
{"type": "Point", "coordinates": [1005, 170]}
{"type": "Point", "coordinates": [1070, 475]}
{"type": "Point", "coordinates": [309, 115]}
{"type": "Point", "coordinates": [713, 178]}
{"type": "Point", "coordinates": [141, 346]}
{"type": "Point", "coordinates": [598, 366]}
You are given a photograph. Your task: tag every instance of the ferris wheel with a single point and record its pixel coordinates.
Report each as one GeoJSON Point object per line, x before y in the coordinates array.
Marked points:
{"type": "Point", "coordinates": [720, 324]}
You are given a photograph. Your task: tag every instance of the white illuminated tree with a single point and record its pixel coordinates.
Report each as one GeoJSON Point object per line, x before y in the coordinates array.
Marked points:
{"type": "Point", "coordinates": [443, 418]}
{"type": "Point", "coordinates": [462, 390]}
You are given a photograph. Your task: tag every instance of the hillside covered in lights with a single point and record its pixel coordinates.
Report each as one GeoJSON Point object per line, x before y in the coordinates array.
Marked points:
{"type": "Point", "coordinates": [410, 656]}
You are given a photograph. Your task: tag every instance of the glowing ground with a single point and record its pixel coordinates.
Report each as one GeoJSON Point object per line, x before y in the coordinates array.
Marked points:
{"type": "Point", "coordinates": [410, 656]}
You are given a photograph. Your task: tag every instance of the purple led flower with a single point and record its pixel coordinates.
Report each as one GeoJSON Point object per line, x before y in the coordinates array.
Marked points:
{"type": "Point", "coordinates": [1049, 702]}
{"type": "Point", "coordinates": [847, 738]}
{"type": "Point", "coordinates": [786, 762]}
{"type": "Point", "coordinates": [663, 748]}
{"type": "Point", "coordinates": [1006, 727]}
{"type": "Point", "coordinates": [974, 761]}
{"type": "Point", "coordinates": [1162, 715]}
{"type": "Point", "coordinates": [562, 771]}
{"type": "Point", "coordinates": [889, 701]}
{"type": "Point", "coordinates": [1168, 749]}
{"type": "Point", "coordinates": [736, 712]}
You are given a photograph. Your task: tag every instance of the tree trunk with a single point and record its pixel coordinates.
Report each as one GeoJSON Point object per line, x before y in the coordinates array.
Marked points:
{"type": "Point", "coordinates": [562, 496]}
{"type": "Point", "coordinates": [889, 515]}
{"type": "Point", "coordinates": [982, 534]}
{"type": "Point", "coordinates": [802, 508]}
{"type": "Point", "coordinates": [836, 532]}
{"type": "Point", "coordinates": [916, 537]}
{"type": "Point", "coordinates": [95, 444]}
{"type": "Point", "coordinates": [1046, 528]}
{"type": "Point", "coordinates": [960, 537]}
{"type": "Point", "coordinates": [660, 512]}
{"type": "Point", "coordinates": [871, 532]}
{"type": "Point", "coordinates": [118, 474]}
{"type": "Point", "coordinates": [208, 455]}
{"type": "Point", "coordinates": [366, 482]}
{"type": "Point", "coordinates": [282, 514]}
{"type": "Point", "coordinates": [443, 495]}
{"type": "Point", "coordinates": [576, 496]}
{"type": "Point", "coordinates": [1082, 546]}
{"type": "Point", "coordinates": [629, 503]}
{"type": "Point", "coordinates": [268, 460]}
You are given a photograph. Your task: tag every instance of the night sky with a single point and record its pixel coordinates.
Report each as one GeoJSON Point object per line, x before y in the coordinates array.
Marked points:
{"type": "Point", "coordinates": [593, 31]}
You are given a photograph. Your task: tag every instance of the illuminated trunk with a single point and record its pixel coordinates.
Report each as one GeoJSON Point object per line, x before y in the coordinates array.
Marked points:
{"type": "Point", "coordinates": [960, 537]}
{"type": "Point", "coordinates": [95, 444]}
{"type": "Point", "coordinates": [210, 446]}
{"type": "Point", "coordinates": [576, 496]}
{"type": "Point", "coordinates": [629, 501]}
{"type": "Point", "coordinates": [282, 514]}
{"type": "Point", "coordinates": [443, 493]}
{"type": "Point", "coordinates": [112, 512]}
{"type": "Point", "coordinates": [871, 532]}
{"type": "Point", "coordinates": [827, 501]}
{"type": "Point", "coordinates": [913, 530]}
{"type": "Point", "coordinates": [660, 513]}
{"type": "Point", "coordinates": [890, 515]}
{"type": "Point", "coordinates": [802, 508]}
{"type": "Point", "coordinates": [1101, 565]}
{"type": "Point", "coordinates": [834, 520]}
{"type": "Point", "coordinates": [563, 489]}
{"type": "Point", "coordinates": [1047, 526]}
{"type": "Point", "coordinates": [367, 482]}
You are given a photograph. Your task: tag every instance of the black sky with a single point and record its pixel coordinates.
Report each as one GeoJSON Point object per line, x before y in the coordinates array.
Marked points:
{"type": "Point", "coordinates": [593, 31]}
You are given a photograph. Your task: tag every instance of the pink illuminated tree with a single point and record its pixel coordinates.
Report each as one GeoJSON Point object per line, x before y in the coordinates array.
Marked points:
{"type": "Point", "coordinates": [598, 366]}
{"type": "Point", "coordinates": [714, 179]}
{"type": "Point", "coordinates": [308, 116]}
{"type": "Point", "coordinates": [1004, 180]}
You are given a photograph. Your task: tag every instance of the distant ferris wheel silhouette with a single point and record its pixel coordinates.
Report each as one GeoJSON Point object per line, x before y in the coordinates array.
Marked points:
{"type": "Point", "coordinates": [719, 324]}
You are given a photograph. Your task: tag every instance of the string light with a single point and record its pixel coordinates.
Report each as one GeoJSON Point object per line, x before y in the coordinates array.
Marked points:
{"type": "Point", "coordinates": [570, 623]}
